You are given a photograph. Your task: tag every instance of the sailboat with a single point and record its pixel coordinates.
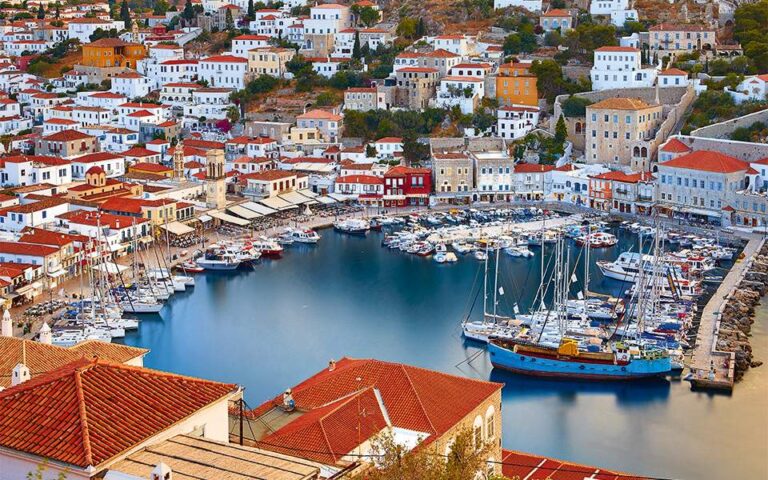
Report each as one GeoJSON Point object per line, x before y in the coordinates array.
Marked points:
{"type": "Point", "coordinates": [548, 350]}
{"type": "Point", "coordinates": [492, 323]}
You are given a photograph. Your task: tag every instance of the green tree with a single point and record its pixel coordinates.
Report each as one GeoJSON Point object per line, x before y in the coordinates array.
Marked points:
{"type": "Point", "coordinates": [125, 15]}
{"type": "Point", "coordinates": [251, 10]}
{"type": "Point", "coordinates": [40, 12]}
{"type": "Point", "coordinates": [465, 461]}
{"type": "Point", "coordinates": [161, 6]}
{"type": "Point", "coordinates": [228, 20]}
{"type": "Point", "coordinates": [370, 151]}
{"type": "Point", "coordinates": [356, 47]}
{"type": "Point", "coordinates": [189, 11]}
{"type": "Point", "coordinates": [421, 28]}
{"type": "Point", "coordinates": [574, 106]}
{"type": "Point", "coordinates": [407, 28]}
{"type": "Point", "coordinates": [233, 114]}
{"type": "Point", "coordinates": [57, 13]}
{"type": "Point", "coordinates": [561, 131]}
{"type": "Point", "coordinates": [369, 16]}
{"type": "Point", "coordinates": [750, 27]}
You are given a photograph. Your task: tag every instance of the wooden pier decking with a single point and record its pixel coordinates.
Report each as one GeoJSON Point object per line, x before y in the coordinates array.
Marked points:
{"type": "Point", "coordinates": [712, 369]}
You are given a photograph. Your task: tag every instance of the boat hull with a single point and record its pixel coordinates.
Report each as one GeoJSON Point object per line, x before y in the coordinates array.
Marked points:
{"type": "Point", "coordinates": [552, 366]}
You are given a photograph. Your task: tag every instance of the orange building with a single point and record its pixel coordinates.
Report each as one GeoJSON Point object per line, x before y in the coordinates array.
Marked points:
{"type": "Point", "coordinates": [112, 52]}
{"type": "Point", "coordinates": [516, 86]}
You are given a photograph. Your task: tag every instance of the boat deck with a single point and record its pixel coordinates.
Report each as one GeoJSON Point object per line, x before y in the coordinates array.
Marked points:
{"type": "Point", "coordinates": [712, 369]}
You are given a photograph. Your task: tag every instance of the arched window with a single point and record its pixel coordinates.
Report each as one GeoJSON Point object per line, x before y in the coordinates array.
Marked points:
{"type": "Point", "coordinates": [477, 432]}
{"type": "Point", "coordinates": [578, 127]}
{"type": "Point", "coordinates": [636, 152]}
{"type": "Point", "coordinates": [644, 152]}
{"type": "Point", "coordinates": [490, 423]}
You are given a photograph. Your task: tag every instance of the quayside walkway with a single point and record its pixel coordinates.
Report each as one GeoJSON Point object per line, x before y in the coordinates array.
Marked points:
{"type": "Point", "coordinates": [711, 368]}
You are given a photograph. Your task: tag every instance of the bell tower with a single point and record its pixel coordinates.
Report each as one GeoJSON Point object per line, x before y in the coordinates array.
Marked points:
{"type": "Point", "coordinates": [178, 162]}
{"type": "Point", "coordinates": [215, 179]}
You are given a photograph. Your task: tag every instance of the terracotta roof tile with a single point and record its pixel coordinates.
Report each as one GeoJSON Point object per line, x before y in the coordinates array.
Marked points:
{"type": "Point", "coordinates": [707, 161]}
{"type": "Point", "coordinates": [77, 413]}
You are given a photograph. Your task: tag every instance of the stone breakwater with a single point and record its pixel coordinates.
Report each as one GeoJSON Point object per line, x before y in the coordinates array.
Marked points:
{"type": "Point", "coordinates": [738, 314]}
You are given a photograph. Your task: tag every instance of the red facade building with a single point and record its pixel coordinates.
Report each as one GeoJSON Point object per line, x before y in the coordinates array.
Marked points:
{"type": "Point", "coordinates": [406, 186]}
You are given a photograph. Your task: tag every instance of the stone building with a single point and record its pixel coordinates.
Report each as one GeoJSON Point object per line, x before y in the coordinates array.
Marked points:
{"type": "Point", "coordinates": [453, 174]}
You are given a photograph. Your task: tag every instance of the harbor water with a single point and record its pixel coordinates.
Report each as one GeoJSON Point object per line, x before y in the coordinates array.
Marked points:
{"type": "Point", "coordinates": [270, 327]}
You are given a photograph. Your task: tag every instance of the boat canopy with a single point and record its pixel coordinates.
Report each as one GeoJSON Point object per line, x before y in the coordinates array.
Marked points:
{"type": "Point", "coordinates": [224, 217]}
{"type": "Point", "coordinates": [295, 198]}
{"type": "Point", "coordinates": [177, 228]}
{"type": "Point", "coordinates": [258, 208]}
{"type": "Point", "coordinates": [243, 212]}
{"type": "Point", "coordinates": [277, 203]}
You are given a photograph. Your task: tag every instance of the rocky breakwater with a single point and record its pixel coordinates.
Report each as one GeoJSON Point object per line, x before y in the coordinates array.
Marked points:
{"type": "Point", "coordinates": [738, 314]}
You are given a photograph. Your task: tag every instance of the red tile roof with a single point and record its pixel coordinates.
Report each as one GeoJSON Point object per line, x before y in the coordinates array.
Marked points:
{"type": "Point", "coordinates": [66, 136]}
{"type": "Point", "coordinates": [151, 167]}
{"type": "Point", "coordinates": [707, 161]}
{"type": "Point", "coordinates": [536, 467]}
{"type": "Point", "coordinates": [78, 414]}
{"type": "Point", "coordinates": [674, 145]}
{"type": "Point", "coordinates": [400, 171]}
{"type": "Point", "coordinates": [97, 157]}
{"type": "Point", "coordinates": [617, 49]}
{"type": "Point", "coordinates": [363, 179]}
{"type": "Point", "coordinates": [415, 398]}
{"type": "Point", "coordinates": [29, 249]}
{"type": "Point", "coordinates": [91, 218]}
{"type": "Point", "coordinates": [619, 176]}
{"type": "Point", "coordinates": [533, 168]}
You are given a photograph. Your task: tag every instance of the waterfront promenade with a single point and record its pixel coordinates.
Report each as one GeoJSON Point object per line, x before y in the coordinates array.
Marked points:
{"type": "Point", "coordinates": [710, 367]}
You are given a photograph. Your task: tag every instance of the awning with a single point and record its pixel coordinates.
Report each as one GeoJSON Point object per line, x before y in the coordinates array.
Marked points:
{"type": "Point", "coordinates": [701, 211]}
{"type": "Point", "coordinates": [57, 273]}
{"type": "Point", "coordinates": [258, 208]}
{"type": "Point", "coordinates": [177, 228]}
{"type": "Point", "coordinates": [338, 197]}
{"type": "Point", "coordinates": [295, 198]}
{"type": "Point", "coordinates": [277, 203]}
{"type": "Point", "coordinates": [205, 218]}
{"type": "Point", "coordinates": [308, 193]}
{"type": "Point", "coordinates": [325, 200]}
{"type": "Point", "coordinates": [243, 212]}
{"type": "Point", "coordinates": [394, 197]}
{"type": "Point", "coordinates": [111, 268]}
{"type": "Point", "coordinates": [224, 217]}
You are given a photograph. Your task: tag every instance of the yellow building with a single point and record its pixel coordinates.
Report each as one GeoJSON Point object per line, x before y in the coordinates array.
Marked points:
{"type": "Point", "coordinates": [112, 52]}
{"type": "Point", "coordinates": [269, 61]}
{"type": "Point", "coordinates": [516, 86]}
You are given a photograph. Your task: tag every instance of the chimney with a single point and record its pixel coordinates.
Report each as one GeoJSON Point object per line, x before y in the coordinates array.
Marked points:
{"type": "Point", "coordinates": [7, 330]}
{"type": "Point", "coordinates": [161, 472]}
{"type": "Point", "coordinates": [45, 336]}
{"type": "Point", "coordinates": [20, 374]}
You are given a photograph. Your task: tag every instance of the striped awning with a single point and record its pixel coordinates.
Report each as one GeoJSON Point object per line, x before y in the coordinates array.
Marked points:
{"type": "Point", "coordinates": [277, 203]}
{"type": "Point", "coordinates": [258, 208]}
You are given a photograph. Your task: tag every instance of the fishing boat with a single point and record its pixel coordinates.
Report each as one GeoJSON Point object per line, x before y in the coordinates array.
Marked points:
{"type": "Point", "coordinates": [569, 360]}
{"type": "Point", "coordinates": [217, 258]}
{"type": "Point", "coordinates": [268, 247]}
{"type": "Point", "coordinates": [480, 255]}
{"type": "Point", "coordinates": [297, 235]}
{"type": "Point", "coordinates": [597, 240]}
{"type": "Point", "coordinates": [72, 336]}
{"type": "Point", "coordinates": [461, 247]}
{"type": "Point", "coordinates": [352, 226]}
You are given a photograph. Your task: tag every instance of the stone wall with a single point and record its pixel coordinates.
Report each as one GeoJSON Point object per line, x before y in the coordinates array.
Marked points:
{"type": "Point", "coordinates": [726, 128]}
{"type": "Point", "coordinates": [747, 151]}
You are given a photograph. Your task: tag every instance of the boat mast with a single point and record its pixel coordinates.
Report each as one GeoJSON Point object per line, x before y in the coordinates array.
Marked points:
{"type": "Point", "coordinates": [588, 246]}
{"type": "Point", "coordinates": [496, 283]}
{"type": "Point", "coordinates": [485, 287]}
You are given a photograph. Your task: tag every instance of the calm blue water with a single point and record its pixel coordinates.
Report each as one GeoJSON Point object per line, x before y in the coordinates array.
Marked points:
{"type": "Point", "coordinates": [270, 328]}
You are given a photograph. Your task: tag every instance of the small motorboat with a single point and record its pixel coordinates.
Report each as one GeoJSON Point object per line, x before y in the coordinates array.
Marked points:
{"type": "Point", "coordinates": [446, 257]}
{"type": "Point", "coordinates": [190, 267]}
{"type": "Point", "coordinates": [480, 255]}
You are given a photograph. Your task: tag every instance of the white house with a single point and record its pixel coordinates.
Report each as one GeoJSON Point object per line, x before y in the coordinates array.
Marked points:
{"type": "Point", "coordinates": [83, 28]}
{"type": "Point", "coordinates": [242, 44]}
{"type": "Point", "coordinates": [620, 67]}
{"type": "Point", "coordinates": [327, 18]}
{"type": "Point", "coordinates": [515, 121]}
{"type": "Point", "coordinates": [458, 44]}
{"type": "Point", "coordinates": [226, 71]}
{"type": "Point", "coordinates": [751, 88]}
{"type": "Point", "coordinates": [113, 164]}
{"type": "Point", "coordinates": [20, 170]}
{"type": "Point", "coordinates": [388, 147]}
{"type": "Point", "coordinates": [555, 19]}
{"type": "Point", "coordinates": [464, 92]}
{"type": "Point", "coordinates": [673, 77]}
{"type": "Point", "coordinates": [131, 84]}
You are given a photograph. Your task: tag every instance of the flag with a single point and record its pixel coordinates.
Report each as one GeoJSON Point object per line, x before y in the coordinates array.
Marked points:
{"type": "Point", "coordinates": [580, 295]}
{"type": "Point", "coordinates": [501, 290]}
{"type": "Point", "coordinates": [573, 278]}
